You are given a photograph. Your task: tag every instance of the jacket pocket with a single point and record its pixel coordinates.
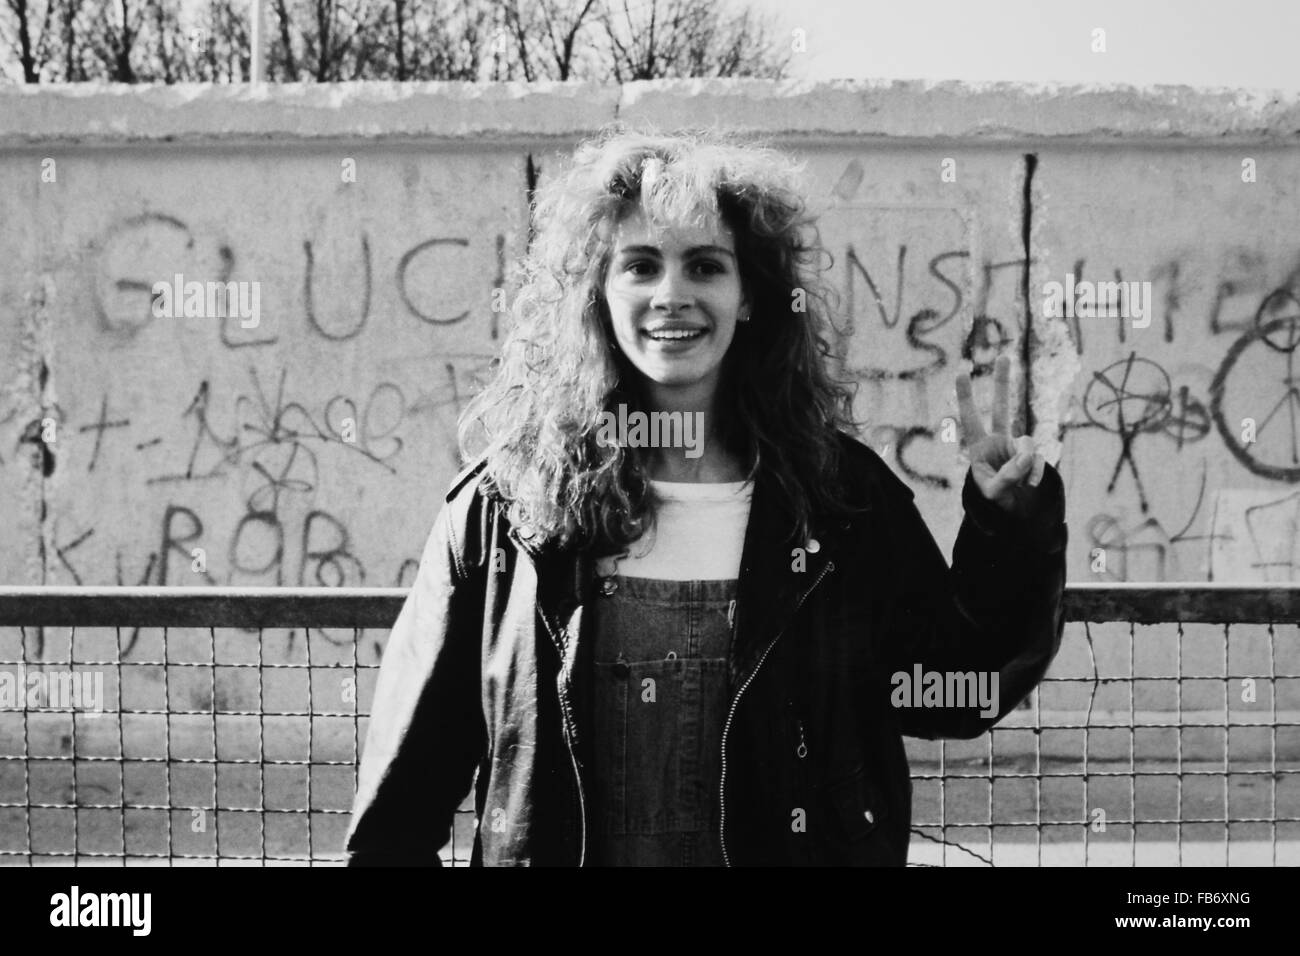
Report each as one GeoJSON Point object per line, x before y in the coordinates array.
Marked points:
{"type": "Point", "coordinates": [856, 804]}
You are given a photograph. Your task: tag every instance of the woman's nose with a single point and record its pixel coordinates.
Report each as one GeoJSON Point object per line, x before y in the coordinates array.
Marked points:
{"type": "Point", "coordinates": [671, 292]}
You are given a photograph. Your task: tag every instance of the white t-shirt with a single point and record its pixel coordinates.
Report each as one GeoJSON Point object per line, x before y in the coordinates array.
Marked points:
{"type": "Point", "coordinates": [698, 534]}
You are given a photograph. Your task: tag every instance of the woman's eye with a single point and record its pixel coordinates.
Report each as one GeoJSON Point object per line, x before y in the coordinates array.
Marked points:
{"type": "Point", "coordinates": [646, 267]}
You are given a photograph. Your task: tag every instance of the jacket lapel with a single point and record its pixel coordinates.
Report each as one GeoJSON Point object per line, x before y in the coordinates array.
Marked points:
{"type": "Point", "coordinates": [562, 588]}
{"type": "Point", "coordinates": [770, 588]}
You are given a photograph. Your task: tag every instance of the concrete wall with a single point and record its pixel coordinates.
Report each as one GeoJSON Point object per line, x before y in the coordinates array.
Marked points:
{"type": "Point", "coordinates": [172, 434]}
{"type": "Point", "coordinates": [376, 305]}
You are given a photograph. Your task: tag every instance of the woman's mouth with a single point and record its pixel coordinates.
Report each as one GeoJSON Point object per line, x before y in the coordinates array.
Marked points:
{"type": "Point", "coordinates": [674, 336]}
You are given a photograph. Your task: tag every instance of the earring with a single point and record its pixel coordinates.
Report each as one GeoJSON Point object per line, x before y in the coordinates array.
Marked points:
{"type": "Point", "coordinates": [743, 317]}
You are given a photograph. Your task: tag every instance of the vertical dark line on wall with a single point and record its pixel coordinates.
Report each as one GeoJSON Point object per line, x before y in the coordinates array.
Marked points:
{"type": "Point", "coordinates": [46, 464]}
{"type": "Point", "coordinates": [1026, 226]}
{"type": "Point", "coordinates": [530, 173]}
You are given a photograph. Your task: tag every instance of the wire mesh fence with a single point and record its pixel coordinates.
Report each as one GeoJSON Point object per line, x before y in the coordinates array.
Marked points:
{"type": "Point", "coordinates": [201, 726]}
{"type": "Point", "coordinates": [1166, 745]}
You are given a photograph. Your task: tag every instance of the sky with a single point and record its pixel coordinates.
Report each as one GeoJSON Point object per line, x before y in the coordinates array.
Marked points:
{"type": "Point", "coordinates": [1206, 43]}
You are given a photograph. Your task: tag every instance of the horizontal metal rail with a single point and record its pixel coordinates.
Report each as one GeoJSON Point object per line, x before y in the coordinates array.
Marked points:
{"type": "Point", "coordinates": [256, 607]}
{"type": "Point", "coordinates": [248, 607]}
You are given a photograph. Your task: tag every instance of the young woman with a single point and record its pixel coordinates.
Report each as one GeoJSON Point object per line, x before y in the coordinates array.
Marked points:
{"type": "Point", "coordinates": [674, 612]}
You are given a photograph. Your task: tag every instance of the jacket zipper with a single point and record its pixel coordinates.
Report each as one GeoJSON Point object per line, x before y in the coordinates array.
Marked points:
{"type": "Point", "coordinates": [568, 736]}
{"type": "Point", "coordinates": [722, 787]}
{"type": "Point", "coordinates": [582, 803]}
{"type": "Point", "coordinates": [573, 761]}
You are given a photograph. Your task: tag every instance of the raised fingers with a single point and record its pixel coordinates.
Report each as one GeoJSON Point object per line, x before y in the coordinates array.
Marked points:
{"type": "Point", "coordinates": [1002, 396]}
{"type": "Point", "coordinates": [1037, 466]}
{"type": "Point", "coordinates": [972, 429]}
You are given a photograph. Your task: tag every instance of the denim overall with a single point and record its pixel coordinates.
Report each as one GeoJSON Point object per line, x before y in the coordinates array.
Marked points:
{"type": "Point", "coordinates": [661, 695]}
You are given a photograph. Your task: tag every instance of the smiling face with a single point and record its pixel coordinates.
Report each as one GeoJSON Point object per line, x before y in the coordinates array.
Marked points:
{"type": "Point", "coordinates": [674, 297]}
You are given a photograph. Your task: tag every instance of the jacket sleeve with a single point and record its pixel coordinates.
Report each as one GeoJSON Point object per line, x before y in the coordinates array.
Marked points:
{"type": "Point", "coordinates": [426, 733]}
{"type": "Point", "coordinates": [997, 612]}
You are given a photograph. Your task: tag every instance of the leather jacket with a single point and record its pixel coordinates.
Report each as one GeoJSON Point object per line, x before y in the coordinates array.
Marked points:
{"type": "Point", "coordinates": [485, 671]}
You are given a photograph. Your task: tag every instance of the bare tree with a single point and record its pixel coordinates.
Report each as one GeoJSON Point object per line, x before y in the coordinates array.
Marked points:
{"type": "Point", "coordinates": [331, 40]}
{"type": "Point", "coordinates": [114, 32]}
{"type": "Point", "coordinates": [224, 42]}
{"type": "Point", "coordinates": [121, 37]}
{"type": "Point", "coordinates": [327, 40]}
{"type": "Point", "coordinates": [324, 40]}
{"type": "Point", "coordinates": [172, 58]}
{"type": "Point", "coordinates": [400, 16]}
{"type": "Point", "coordinates": [745, 45]}
{"type": "Point", "coordinates": [546, 36]}
{"type": "Point", "coordinates": [73, 68]}
{"type": "Point", "coordinates": [282, 61]}
{"type": "Point", "coordinates": [130, 41]}
{"type": "Point", "coordinates": [27, 31]}
{"type": "Point", "coordinates": [655, 39]}
{"type": "Point", "coordinates": [51, 40]}
{"type": "Point", "coordinates": [328, 44]}
{"type": "Point", "coordinates": [424, 40]}
{"type": "Point", "coordinates": [454, 36]}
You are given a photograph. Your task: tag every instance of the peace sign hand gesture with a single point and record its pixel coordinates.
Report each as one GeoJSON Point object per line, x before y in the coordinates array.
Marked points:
{"type": "Point", "coordinates": [1006, 470]}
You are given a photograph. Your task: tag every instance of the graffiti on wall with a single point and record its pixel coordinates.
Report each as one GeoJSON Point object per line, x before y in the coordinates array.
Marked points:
{"type": "Point", "coordinates": [1161, 416]}
{"type": "Point", "coordinates": [225, 457]}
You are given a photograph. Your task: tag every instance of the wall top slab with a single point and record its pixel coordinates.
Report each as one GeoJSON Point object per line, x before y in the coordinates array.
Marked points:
{"type": "Point", "coordinates": [114, 114]}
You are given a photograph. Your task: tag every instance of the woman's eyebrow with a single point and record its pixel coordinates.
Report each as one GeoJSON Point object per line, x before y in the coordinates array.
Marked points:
{"type": "Point", "coordinates": [692, 251]}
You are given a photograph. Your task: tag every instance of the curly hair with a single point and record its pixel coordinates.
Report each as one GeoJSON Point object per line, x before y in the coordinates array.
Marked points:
{"type": "Point", "coordinates": [559, 368]}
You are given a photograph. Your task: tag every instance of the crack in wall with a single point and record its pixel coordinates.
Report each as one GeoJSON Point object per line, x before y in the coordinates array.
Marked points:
{"type": "Point", "coordinates": [33, 399]}
{"type": "Point", "coordinates": [1026, 241]}
{"type": "Point", "coordinates": [1051, 360]}
{"type": "Point", "coordinates": [531, 174]}
{"type": "Point", "coordinates": [34, 396]}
